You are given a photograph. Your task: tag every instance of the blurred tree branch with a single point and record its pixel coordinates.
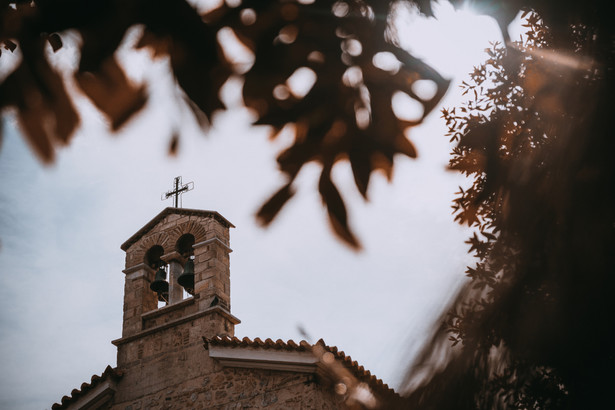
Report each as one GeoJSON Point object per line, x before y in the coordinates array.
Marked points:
{"type": "Point", "coordinates": [346, 114]}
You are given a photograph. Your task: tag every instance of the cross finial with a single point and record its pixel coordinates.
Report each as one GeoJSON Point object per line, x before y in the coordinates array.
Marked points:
{"type": "Point", "coordinates": [177, 190]}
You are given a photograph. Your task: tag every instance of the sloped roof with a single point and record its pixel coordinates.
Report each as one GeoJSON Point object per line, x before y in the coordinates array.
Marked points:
{"type": "Point", "coordinates": [358, 371]}
{"type": "Point", "coordinates": [179, 211]}
{"type": "Point", "coordinates": [109, 374]}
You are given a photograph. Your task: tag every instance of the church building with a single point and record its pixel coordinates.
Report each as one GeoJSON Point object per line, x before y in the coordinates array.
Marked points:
{"type": "Point", "coordinates": [178, 348]}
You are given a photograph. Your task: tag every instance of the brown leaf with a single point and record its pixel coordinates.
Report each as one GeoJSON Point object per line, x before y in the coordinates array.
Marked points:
{"type": "Point", "coordinates": [404, 146]}
{"type": "Point", "coordinates": [274, 204]}
{"type": "Point", "coordinates": [328, 113]}
{"type": "Point", "coordinates": [336, 210]}
{"type": "Point", "coordinates": [193, 47]}
{"type": "Point", "coordinates": [292, 159]}
{"type": "Point", "coordinates": [199, 115]}
{"type": "Point", "coordinates": [114, 94]}
{"type": "Point", "coordinates": [31, 122]}
{"type": "Point", "coordinates": [44, 109]}
{"type": "Point", "coordinates": [361, 169]}
{"type": "Point", "coordinates": [173, 144]}
{"type": "Point", "coordinates": [382, 162]}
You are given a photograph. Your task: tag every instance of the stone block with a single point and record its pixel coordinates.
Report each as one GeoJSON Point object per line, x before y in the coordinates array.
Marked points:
{"type": "Point", "coordinates": [173, 217]}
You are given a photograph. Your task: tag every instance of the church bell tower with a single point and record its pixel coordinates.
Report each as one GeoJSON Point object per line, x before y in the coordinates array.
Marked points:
{"type": "Point", "coordinates": [177, 291]}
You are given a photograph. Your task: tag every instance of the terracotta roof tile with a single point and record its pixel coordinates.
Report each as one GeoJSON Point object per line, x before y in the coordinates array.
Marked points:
{"type": "Point", "coordinates": [109, 372]}
{"type": "Point", "coordinates": [257, 342]}
{"type": "Point", "coordinates": [355, 369]}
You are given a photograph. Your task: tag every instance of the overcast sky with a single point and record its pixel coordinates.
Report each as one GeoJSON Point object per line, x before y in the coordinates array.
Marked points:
{"type": "Point", "coordinates": [61, 227]}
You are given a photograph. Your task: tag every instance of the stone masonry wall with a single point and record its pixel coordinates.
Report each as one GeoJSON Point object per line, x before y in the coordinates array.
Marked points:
{"type": "Point", "coordinates": [234, 388]}
{"type": "Point", "coordinates": [170, 369]}
{"type": "Point", "coordinates": [165, 358]}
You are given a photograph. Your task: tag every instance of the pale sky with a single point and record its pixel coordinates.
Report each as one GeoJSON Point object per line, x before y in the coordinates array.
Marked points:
{"type": "Point", "coordinates": [61, 227]}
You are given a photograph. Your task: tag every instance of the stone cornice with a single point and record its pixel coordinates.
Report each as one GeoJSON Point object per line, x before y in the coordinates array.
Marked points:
{"type": "Point", "coordinates": [215, 239]}
{"type": "Point", "coordinates": [135, 268]}
{"type": "Point", "coordinates": [214, 309]}
{"type": "Point", "coordinates": [169, 308]}
{"type": "Point", "coordinates": [252, 358]}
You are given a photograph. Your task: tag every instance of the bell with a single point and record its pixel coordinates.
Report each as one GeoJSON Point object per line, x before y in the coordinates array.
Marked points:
{"type": "Point", "coordinates": [186, 279]}
{"type": "Point", "coordinates": [160, 284]}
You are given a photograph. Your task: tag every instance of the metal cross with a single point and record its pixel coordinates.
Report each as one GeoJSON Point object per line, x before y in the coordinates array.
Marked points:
{"type": "Point", "coordinates": [177, 191]}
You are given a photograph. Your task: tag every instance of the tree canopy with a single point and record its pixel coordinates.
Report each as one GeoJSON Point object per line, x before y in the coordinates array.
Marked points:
{"type": "Point", "coordinates": [532, 328]}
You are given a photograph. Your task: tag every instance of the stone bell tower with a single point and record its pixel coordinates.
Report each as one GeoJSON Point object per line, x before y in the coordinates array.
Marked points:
{"type": "Point", "coordinates": [162, 333]}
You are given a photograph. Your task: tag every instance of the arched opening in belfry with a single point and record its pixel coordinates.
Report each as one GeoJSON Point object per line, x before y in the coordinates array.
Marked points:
{"type": "Point", "coordinates": [153, 255]}
{"type": "Point", "coordinates": [160, 285]}
{"type": "Point", "coordinates": [183, 246]}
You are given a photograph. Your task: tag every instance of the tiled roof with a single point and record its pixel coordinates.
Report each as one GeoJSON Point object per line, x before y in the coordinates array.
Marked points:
{"type": "Point", "coordinates": [247, 342]}
{"type": "Point", "coordinates": [361, 374]}
{"type": "Point", "coordinates": [179, 211]}
{"type": "Point", "coordinates": [109, 373]}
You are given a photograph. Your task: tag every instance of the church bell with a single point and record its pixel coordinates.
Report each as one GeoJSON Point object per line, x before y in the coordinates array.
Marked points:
{"type": "Point", "coordinates": [160, 284]}
{"type": "Point", "coordinates": [186, 279]}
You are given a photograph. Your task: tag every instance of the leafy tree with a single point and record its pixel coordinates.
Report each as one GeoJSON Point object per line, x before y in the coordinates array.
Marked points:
{"type": "Point", "coordinates": [532, 328]}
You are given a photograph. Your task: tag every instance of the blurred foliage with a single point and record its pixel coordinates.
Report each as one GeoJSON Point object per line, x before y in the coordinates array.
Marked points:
{"type": "Point", "coordinates": [532, 329]}
{"type": "Point", "coordinates": [346, 114]}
